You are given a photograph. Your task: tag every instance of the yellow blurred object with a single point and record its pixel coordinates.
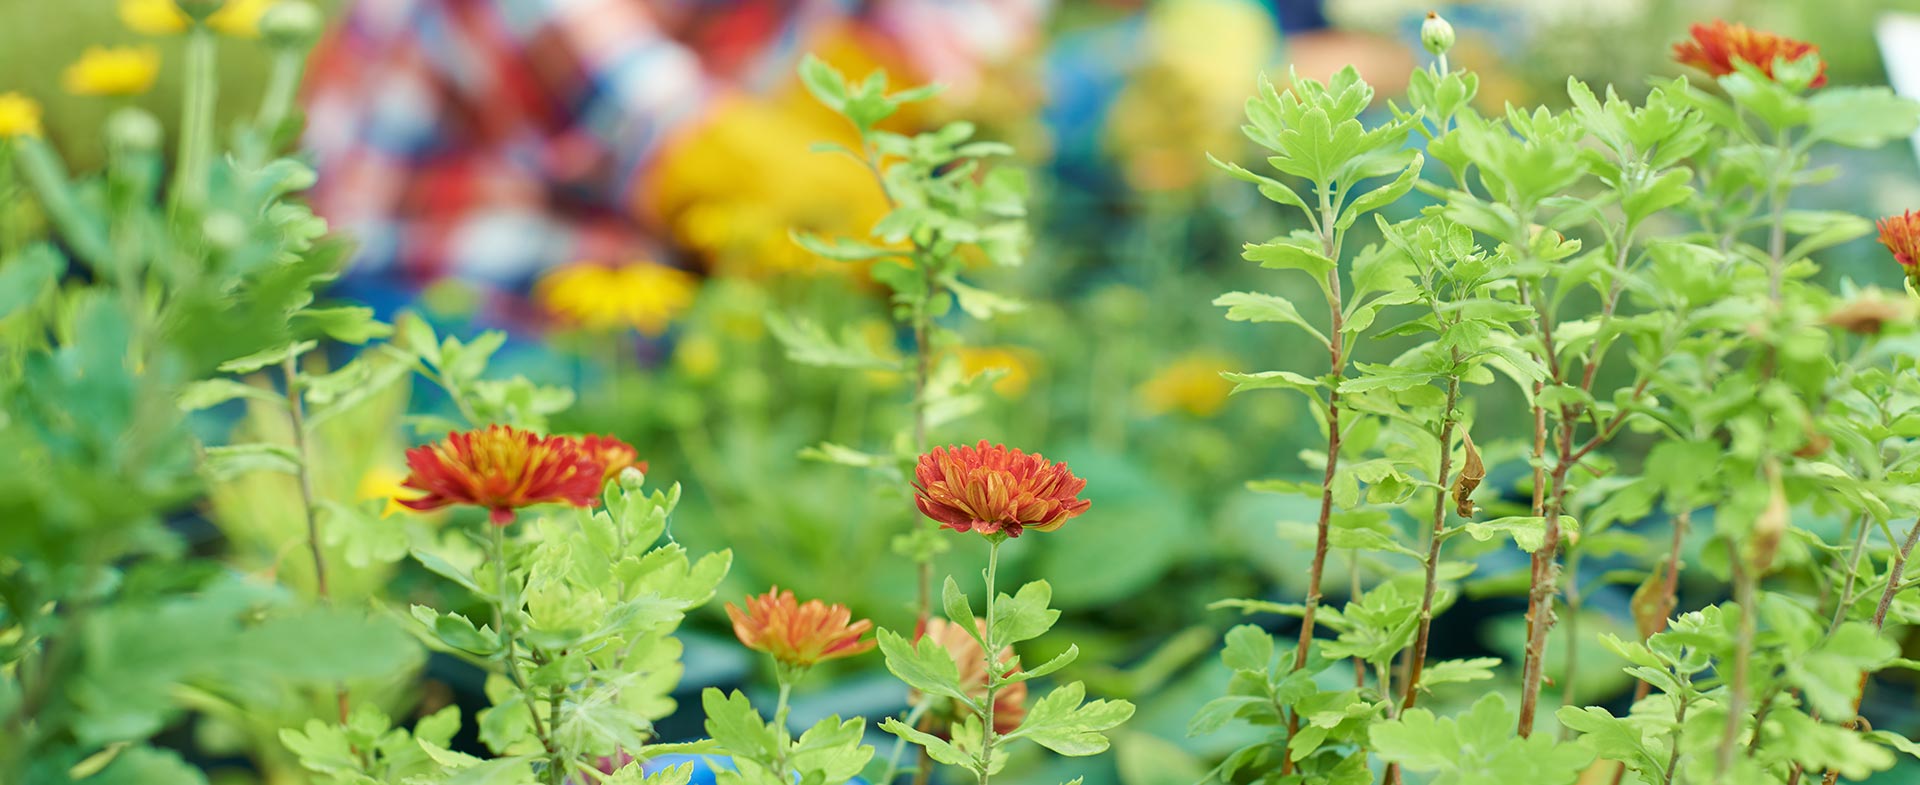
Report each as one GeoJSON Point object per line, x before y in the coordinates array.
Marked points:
{"type": "Point", "coordinates": [736, 185]}
{"type": "Point", "coordinates": [1191, 384]}
{"type": "Point", "coordinates": [697, 356]}
{"type": "Point", "coordinates": [122, 70]}
{"type": "Point", "coordinates": [19, 116]}
{"type": "Point", "coordinates": [882, 335]}
{"type": "Point", "coordinates": [642, 295]}
{"type": "Point", "coordinates": [1186, 98]}
{"type": "Point", "coordinates": [1018, 364]}
{"type": "Point", "coordinates": [238, 18]}
{"type": "Point", "coordinates": [381, 482]}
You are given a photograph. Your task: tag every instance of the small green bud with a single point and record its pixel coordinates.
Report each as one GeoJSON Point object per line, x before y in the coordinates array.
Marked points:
{"type": "Point", "coordinates": [135, 129]}
{"type": "Point", "coordinates": [1436, 34]}
{"type": "Point", "coordinates": [632, 480]}
{"type": "Point", "coordinates": [291, 24]}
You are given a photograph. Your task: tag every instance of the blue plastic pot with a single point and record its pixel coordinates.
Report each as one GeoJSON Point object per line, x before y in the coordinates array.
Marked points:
{"type": "Point", "coordinates": [704, 767]}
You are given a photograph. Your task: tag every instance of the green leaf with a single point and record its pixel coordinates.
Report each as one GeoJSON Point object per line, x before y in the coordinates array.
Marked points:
{"type": "Point", "coordinates": [265, 357]}
{"type": "Point", "coordinates": [213, 392]}
{"type": "Point", "coordinates": [937, 748]}
{"type": "Point", "coordinates": [144, 765]}
{"type": "Point", "coordinates": [230, 461]}
{"type": "Point", "coordinates": [958, 608]}
{"type": "Point", "coordinates": [1382, 196]}
{"type": "Point", "coordinates": [1025, 615]}
{"type": "Point", "coordinates": [1457, 671]}
{"type": "Point", "coordinates": [982, 304]}
{"type": "Point", "coordinates": [27, 276]}
{"type": "Point", "coordinates": [841, 249]}
{"type": "Point", "coordinates": [1477, 748]}
{"type": "Point", "coordinates": [733, 722]}
{"type": "Point", "coordinates": [1529, 532]}
{"type": "Point", "coordinates": [808, 343]}
{"type": "Point", "coordinates": [1060, 722]}
{"type": "Point", "coordinates": [824, 82]}
{"type": "Point", "coordinates": [1865, 117]}
{"type": "Point", "coordinates": [1256, 307]}
{"type": "Point", "coordinates": [1271, 380]}
{"type": "Point", "coordinates": [1287, 253]}
{"type": "Point", "coordinates": [927, 666]}
{"type": "Point", "coordinates": [352, 324]}
{"type": "Point", "coordinates": [1249, 648]}
{"type": "Point", "coordinates": [1061, 660]}
{"type": "Point", "coordinates": [832, 750]}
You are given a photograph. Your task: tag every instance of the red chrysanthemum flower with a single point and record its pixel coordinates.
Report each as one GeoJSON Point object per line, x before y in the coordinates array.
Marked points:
{"type": "Point", "coordinates": [503, 469]}
{"type": "Point", "coordinates": [1901, 235]}
{"type": "Point", "coordinates": [797, 633]}
{"type": "Point", "coordinates": [1714, 48]}
{"type": "Point", "coordinates": [614, 455]}
{"type": "Point", "coordinates": [1009, 702]}
{"type": "Point", "coordinates": [995, 490]}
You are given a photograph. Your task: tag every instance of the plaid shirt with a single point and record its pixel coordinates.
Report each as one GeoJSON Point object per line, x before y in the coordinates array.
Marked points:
{"type": "Point", "coordinates": [494, 139]}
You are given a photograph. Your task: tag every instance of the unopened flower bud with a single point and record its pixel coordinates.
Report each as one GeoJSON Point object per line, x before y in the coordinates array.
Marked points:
{"type": "Point", "coordinates": [291, 24]}
{"type": "Point", "coordinates": [1436, 34]}
{"type": "Point", "coordinates": [632, 480]}
{"type": "Point", "coordinates": [135, 129]}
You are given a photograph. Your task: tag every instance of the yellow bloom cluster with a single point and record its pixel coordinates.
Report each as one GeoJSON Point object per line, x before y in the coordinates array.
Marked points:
{"type": "Point", "coordinates": [1014, 363]}
{"type": "Point", "coordinates": [19, 116]}
{"type": "Point", "coordinates": [101, 70]}
{"type": "Point", "coordinates": [643, 295]}
{"type": "Point", "coordinates": [238, 18]}
{"type": "Point", "coordinates": [1191, 384]}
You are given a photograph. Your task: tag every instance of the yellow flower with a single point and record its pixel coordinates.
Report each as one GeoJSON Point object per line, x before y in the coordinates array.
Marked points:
{"type": "Point", "coordinates": [644, 296]}
{"type": "Point", "coordinates": [1191, 384]}
{"type": "Point", "coordinates": [1015, 362]}
{"type": "Point", "coordinates": [698, 356]}
{"type": "Point", "coordinates": [238, 18]}
{"type": "Point", "coordinates": [19, 116]}
{"type": "Point", "coordinates": [123, 70]}
{"type": "Point", "coordinates": [382, 482]}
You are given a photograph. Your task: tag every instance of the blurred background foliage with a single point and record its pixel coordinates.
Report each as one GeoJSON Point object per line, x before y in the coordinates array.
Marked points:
{"type": "Point", "coordinates": [1113, 366]}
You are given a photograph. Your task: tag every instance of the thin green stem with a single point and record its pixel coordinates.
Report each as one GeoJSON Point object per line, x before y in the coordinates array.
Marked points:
{"type": "Point", "coordinates": [991, 647]}
{"type": "Point", "coordinates": [283, 82]}
{"type": "Point", "coordinates": [196, 118]}
{"type": "Point", "coordinates": [296, 415]}
{"type": "Point", "coordinates": [501, 621]}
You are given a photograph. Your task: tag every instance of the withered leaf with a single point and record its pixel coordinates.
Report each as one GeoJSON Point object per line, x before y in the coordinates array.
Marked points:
{"type": "Point", "coordinates": [1471, 473]}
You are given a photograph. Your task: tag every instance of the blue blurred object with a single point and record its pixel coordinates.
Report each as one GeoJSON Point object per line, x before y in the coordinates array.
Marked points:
{"type": "Point", "coordinates": [704, 767]}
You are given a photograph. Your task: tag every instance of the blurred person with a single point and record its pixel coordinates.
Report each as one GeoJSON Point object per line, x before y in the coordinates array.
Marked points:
{"type": "Point", "coordinates": [493, 140]}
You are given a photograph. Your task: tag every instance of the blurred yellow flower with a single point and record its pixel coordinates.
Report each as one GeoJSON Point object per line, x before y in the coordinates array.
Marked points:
{"type": "Point", "coordinates": [383, 482]}
{"type": "Point", "coordinates": [238, 18]}
{"type": "Point", "coordinates": [698, 356]}
{"type": "Point", "coordinates": [642, 295]}
{"type": "Point", "coordinates": [1191, 383]}
{"type": "Point", "coordinates": [1017, 364]}
{"type": "Point", "coordinates": [1186, 97]}
{"type": "Point", "coordinates": [19, 116]}
{"type": "Point", "coordinates": [116, 70]}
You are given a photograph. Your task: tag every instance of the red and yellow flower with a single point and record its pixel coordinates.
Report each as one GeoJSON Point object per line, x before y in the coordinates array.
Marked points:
{"type": "Point", "coordinates": [614, 455]}
{"type": "Point", "coordinates": [796, 633]}
{"type": "Point", "coordinates": [1009, 702]}
{"type": "Point", "coordinates": [1901, 235]}
{"type": "Point", "coordinates": [503, 469]}
{"type": "Point", "coordinates": [995, 490]}
{"type": "Point", "coordinates": [1715, 47]}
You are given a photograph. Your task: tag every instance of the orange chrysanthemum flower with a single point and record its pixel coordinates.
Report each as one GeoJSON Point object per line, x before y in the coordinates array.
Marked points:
{"type": "Point", "coordinates": [796, 633]}
{"type": "Point", "coordinates": [1714, 48]}
{"type": "Point", "coordinates": [995, 490]}
{"type": "Point", "coordinates": [1901, 235]}
{"type": "Point", "coordinates": [614, 455]}
{"type": "Point", "coordinates": [503, 469]}
{"type": "Point", "coordinates": [1009, 702]}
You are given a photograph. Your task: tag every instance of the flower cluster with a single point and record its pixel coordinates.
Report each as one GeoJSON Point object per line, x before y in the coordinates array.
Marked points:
{"type": "Point", "coordinates": [1901, 235]}
{"type": "Point", "coordinates": [995, 490]}
{"type": "Point", "coordinates": [1715, 47]}
{"type": "Point", "coordinates": [503, 469]}
{"type": "Point", "coordinates": [798, 634]}
{"type": "Point", "coordinates": [643, 296]}
{"type": "Point", "coordinates": [104, 70]}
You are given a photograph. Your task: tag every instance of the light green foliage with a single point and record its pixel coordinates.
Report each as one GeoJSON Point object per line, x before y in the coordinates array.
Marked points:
{"type": "Point", "coordinates": [1624, 265]}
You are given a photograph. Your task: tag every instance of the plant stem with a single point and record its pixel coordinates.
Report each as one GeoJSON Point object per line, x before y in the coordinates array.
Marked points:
{"type": "Point", "coordinates": [1545, 562]}
{"type": "Point", "coordinates": [992, 648]}
{"type": "Point", "coordinates": [914, 715]}
{"type": "Point", "coordinates": [498, 541]}
{"type": "Point", "coordinates": [282, 83]}
{"type": "Point", "coordinates": [1738, 687]}
{"type": "Point", "coordinates": [1419, 661]}
{"type": "Point", "coordinates": [296, 414]}
{"type": "Point", "coordinates": [922, 329]}
{"type": "Point", "coordinates": [782, 766]}
{"type": "Point", "coordinates": [196, 118]}
{"type": "Point", "coordinates": [1669, 588]}
{"type": "Point", "coordinates": [1336, 340]}
{"type": "Point", "coordinates": [1896, 572]}
{"type": "Point", "coordinates": [1673, 743]}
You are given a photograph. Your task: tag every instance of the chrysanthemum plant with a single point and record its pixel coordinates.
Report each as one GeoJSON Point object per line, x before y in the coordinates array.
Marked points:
{"type": "Point", "coordinates": [1624, 266]}
{"type": "Point", "coordinates": [114, 628]}
{"type": "Point", "coordinates": [948, 208]}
